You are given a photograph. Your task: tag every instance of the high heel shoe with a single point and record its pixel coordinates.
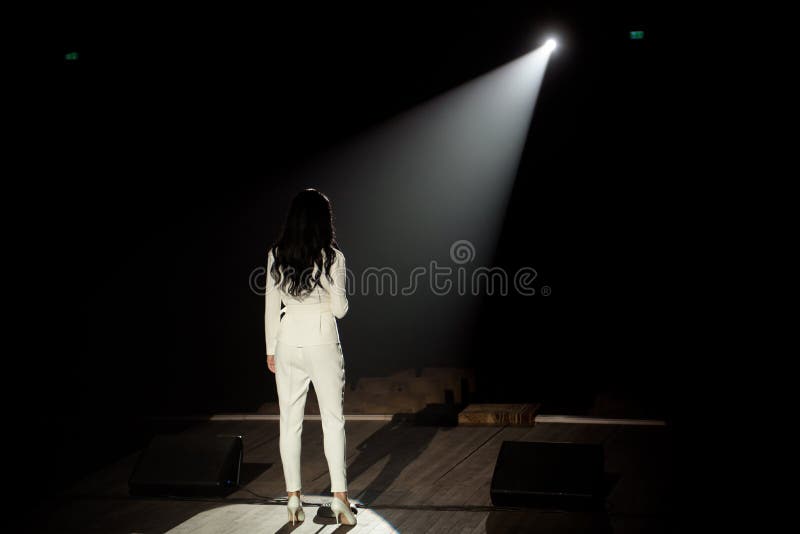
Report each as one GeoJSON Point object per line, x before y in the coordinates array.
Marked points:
{"type": "Point", "coordinates": [295, 509]}
{"type": "Point", "coordinates": [338, 507]}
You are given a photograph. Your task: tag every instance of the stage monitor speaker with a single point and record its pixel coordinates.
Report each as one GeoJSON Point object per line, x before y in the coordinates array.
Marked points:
{"type": "Point", "coordinates": [564, 476]}
{"type": "Point", "coordinates": [186, 465]}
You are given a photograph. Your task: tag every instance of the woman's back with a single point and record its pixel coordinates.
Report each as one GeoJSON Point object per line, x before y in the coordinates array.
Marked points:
{"type": "Point", "coordinates": [308, 318]}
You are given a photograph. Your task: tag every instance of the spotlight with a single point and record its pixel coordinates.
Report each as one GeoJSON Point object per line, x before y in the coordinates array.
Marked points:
{"type": "Point", "coordinates": [550, 45]}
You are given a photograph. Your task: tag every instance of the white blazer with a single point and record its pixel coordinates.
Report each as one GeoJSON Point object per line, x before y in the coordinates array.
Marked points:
{"type": "Point", "coordinates": [311, 318]}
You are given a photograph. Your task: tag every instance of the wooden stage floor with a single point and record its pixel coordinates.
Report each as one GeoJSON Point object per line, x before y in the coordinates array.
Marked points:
{"type": "Point", "coordinates": [410, 478]}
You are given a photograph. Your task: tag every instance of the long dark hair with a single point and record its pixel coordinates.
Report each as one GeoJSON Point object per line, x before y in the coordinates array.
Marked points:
{"type": "Point", "coordinates": [308, 232]}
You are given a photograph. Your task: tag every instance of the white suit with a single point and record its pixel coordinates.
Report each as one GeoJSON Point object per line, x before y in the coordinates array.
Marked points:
{"type": "Point", "coordinates": [304, 338]}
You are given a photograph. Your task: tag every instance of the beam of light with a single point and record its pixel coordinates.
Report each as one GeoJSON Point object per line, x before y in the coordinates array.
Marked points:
{"type": "Point", "coordinates": [406, 190]}
{"type": "Point", "coordinates": [550, 45]}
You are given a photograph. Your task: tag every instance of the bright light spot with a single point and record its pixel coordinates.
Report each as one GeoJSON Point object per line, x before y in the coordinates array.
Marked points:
{"type": "Point", "coordinates": [550, 45]}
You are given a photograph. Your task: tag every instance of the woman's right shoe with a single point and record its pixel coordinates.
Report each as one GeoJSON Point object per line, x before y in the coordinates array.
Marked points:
{"type": "Point", "coordinates": [339, 508]}
{"type": "Point", "coordinates": [295, 509]}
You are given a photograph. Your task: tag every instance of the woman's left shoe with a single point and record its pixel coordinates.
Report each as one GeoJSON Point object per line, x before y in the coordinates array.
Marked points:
{"type": "Point", "coordinates": [339, 508]}
{"type": "Point", "coordinates": [295, 509]}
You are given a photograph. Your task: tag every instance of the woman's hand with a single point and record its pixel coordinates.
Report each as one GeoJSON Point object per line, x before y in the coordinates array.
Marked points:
{"type": "Point", "coordinates": [271, 362]}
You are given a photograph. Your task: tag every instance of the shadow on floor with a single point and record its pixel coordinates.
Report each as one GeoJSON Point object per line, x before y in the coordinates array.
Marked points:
{"type": "Point", "coordinates": [383, 443]}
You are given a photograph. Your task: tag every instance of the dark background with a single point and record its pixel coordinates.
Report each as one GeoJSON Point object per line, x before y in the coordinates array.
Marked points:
{"type": "Point", "coordinates": [163, 169]}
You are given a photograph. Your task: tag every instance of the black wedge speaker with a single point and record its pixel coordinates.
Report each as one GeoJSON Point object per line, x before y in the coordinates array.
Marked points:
{"type": "Point", "coordinates": [566, 476]}
{"type": "Point", "coordinates": [188, 465]}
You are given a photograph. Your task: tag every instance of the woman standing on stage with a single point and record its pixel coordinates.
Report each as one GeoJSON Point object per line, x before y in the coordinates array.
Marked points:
{"type": "Point", "coordinates": [306, 271]}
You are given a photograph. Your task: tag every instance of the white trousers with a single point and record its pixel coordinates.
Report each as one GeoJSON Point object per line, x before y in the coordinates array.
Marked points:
{"type": "Point", "coordinates": [295, 368]}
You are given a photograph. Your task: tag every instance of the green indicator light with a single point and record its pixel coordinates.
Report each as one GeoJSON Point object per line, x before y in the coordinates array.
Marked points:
{"type": "Point", "coordinates": [637, 35]}
{"type": "Point", "coordinates": [71, 56]}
